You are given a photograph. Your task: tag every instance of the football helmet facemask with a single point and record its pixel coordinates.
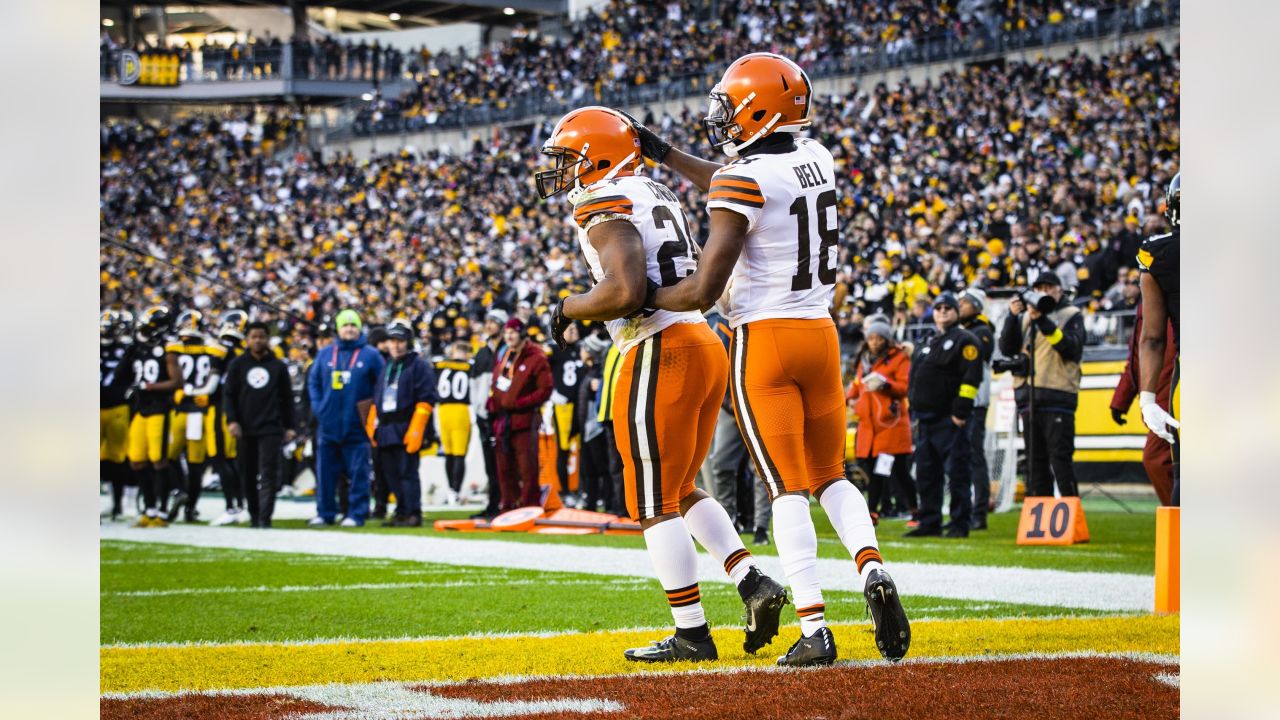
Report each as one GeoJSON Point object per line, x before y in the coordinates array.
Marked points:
{"type": "Point", "coordinates": [232, 325]}
{"type": "Point", "coordinates": [154, 323]}
{"type": "Point", "coordinates": [760, 94]}
{"type": "Point", "coordinates": [112, 326]}
{"type": "Point", "coordinates": [189, 324]}
{"type": "Point", "coordinates": [1173, 200]}
{"type": "Point", "coordinates": [588, 145]}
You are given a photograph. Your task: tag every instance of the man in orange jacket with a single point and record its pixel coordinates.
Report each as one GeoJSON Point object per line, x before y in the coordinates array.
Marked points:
{"type": "Point", "coordinates": [1157, 457]}
{"type": "Point", "coordinates": [878, 396]}
{"type": "Point", "coordinates": [521, 383]}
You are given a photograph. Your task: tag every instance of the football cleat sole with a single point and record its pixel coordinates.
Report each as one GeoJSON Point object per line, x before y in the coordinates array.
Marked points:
{"type": "Point", "coordinates": [763, 614]}
{"type": "Point", "coordinates": [893, 630]}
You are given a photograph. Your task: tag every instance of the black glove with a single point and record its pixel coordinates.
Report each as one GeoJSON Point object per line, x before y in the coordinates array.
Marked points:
{"type": "Point", "coordinates": [559, 323]}
{"type": "Point", "coordinates": [651, 146]}
{"type": "Point", "coordinates": [1118, 416]}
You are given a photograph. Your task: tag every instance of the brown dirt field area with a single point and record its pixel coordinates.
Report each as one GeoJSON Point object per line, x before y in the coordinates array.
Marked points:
{"type": "Point", "coordinates": [1045, 689]}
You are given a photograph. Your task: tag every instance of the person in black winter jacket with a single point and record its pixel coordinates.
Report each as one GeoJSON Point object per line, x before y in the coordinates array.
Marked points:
{"type": "Point", "coordinates": [945, 374]}
{"type": "Point", "coordinates": [259, 406]}
{"type": "Point", "coordinates": [404, 396]}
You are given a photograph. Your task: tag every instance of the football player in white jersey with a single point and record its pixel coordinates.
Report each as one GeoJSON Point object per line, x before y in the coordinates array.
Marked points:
{"type": "Point", "coordinates": [635, 238]}
{"type": "Point", "coordinates": [770, 262]}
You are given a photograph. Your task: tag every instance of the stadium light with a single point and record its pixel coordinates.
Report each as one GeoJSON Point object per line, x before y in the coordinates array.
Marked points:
{"type": "Point", "coordinates": [394, 17]}
{"type": "Point", "coordinates": [508, 11]}
{"type": "Point", "coordinates": [108, 22]}
{"type": "Point", "coordinates": [366, 97]}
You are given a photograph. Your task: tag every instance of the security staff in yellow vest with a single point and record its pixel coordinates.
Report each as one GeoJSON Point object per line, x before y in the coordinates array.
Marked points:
{"type": "Point", "coordinates": [1056, 345]}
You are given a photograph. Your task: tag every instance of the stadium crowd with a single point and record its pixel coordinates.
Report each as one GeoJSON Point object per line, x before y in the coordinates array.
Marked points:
{"type": "Point", "coordinates": [985, 178]}
{"type": "Point", "coordinates": [628, 44]}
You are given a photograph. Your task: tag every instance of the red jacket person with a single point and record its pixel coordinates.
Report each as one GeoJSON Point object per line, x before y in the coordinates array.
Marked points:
{"type": "Point", "coordinates": [522, 382]}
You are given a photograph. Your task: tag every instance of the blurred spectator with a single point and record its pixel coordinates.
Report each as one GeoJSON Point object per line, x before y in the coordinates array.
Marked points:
{"type": "Point", "coordinates": [1055, 347]}
{"type": "Point", "coordinates": [482, 365]}
{"type": "Point", "coordinates": [405, 393]}
{"type": "Point", "coordinates": [878, 396]}
{"type": "Point", "coordinates": [260, 416]}
{"type": "Point", "coordinates": [593, 461]}
{"type": "Point", "coordinates": [972, 302]}
{"type": "Point", "coordinates": [945, 374]}
{"type": "Point", "coordinates": [380, 489]}
{"type": "Point", "coordinates": [341, 386]}
{"type": "Point", "coordinates": [521, 383]}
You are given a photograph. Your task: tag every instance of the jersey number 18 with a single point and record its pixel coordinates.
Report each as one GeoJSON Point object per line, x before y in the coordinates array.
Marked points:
{"type": "Point", "coordinates": [828, 238]}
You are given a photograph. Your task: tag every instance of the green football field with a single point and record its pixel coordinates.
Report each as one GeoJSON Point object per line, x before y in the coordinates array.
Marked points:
{"type": "Point", "coordinates": [160, 593]}
{"type": "Point", "coordinates": [376, 622]}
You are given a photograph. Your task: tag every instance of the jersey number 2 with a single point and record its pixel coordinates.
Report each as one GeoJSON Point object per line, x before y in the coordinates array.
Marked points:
{"type": "Point", "coordinates": [828, 238]}
{"type": "Point", "coordinates": [678, 248]}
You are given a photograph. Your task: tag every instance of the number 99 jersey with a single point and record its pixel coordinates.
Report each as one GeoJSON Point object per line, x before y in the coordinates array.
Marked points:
{"type": "Point", "coordinates": [788, 264]}
{"type": "Point", "coordinates": [670, 254]}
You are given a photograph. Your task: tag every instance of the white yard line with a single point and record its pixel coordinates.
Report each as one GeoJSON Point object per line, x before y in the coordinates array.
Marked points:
{"type": "Point", "coordinates": [1052, 588]}
{"type": "Point", "coordinates": [366, 586]}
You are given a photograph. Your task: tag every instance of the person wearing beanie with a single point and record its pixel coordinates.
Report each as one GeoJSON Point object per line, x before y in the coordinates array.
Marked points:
{"type": "Point", "coordinates": [945, 374]}
{"type": "Point", "coordinates": [405, 396]}
{"type": "Point", "coordinates": [482, 365]}
{"type": "Point", "coordinates": [878, 397]}
{"type": "Point", "coordinates": [340, 386]}
{"type": "Point", "coordinates": [972, 302]}
{"type": "Point", "coordinates": [521, 383]}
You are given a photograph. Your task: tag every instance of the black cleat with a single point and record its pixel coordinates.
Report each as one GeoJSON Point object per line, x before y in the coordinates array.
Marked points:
{"type": "Point", "coordinates": [672, 649]}
{"type": "Point", "coordinates": [817, 649]}
{"type": "Point", "coordinates": [763, 609]}
{"type": "Point", "coordinates": [176, 503]}
{"type": "Point", "coordinates": [893, 632]}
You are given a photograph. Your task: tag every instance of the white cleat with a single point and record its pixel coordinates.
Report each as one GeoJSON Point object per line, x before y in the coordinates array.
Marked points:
{"type": "Point", "coordinates": [225, 518]}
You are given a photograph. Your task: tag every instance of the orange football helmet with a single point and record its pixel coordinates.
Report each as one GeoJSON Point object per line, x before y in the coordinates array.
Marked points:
{"type": "Point", "coordinates": [589, 144]}
{"type": "Point", "coordinates": [760, 94]}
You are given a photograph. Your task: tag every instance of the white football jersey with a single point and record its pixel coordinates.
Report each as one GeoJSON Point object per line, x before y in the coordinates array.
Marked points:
{"type": "Point", "coordinates": [788, 264]}
{"type": "Point", "coordinates": [670, 253]}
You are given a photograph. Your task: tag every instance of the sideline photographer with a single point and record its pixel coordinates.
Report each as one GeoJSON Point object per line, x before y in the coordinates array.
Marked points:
{"type": "Point", "coordinates": [1043, 337]}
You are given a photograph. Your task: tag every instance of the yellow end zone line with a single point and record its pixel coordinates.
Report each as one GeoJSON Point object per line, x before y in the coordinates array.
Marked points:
{"type": "Point", "coordinates": [216, 667]}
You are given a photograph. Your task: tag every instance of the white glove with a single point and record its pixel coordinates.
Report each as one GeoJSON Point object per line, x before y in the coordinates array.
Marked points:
{"type": "Point", "coordinates": [874, 381]}
{"type": "Point", "coordinates": [1157, 420]}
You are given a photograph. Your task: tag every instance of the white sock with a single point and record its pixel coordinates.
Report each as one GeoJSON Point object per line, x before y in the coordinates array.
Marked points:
{"type": "Point", "coordinates": [675, 560]}
{"type": "Point", "coordinates": [849, 515]}
{"type": "Point", "coordinates": [711, 527]}
{"type": "Point", "coordinates": [798, 549]}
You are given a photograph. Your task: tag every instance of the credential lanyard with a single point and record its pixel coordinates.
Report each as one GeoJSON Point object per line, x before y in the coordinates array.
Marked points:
{"type": "Point", "coordinates": [354, 354]}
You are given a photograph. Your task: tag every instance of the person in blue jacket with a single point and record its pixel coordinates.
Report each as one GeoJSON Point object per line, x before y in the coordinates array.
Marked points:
{"type": "Point", "coordinates": [340, 387]}
{"type": "Point", "coordinates": [404, 395]}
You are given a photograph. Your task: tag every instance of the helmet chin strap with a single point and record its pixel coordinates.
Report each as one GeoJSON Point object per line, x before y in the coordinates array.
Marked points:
{"type": "Point", "coordinates": [758, 134]}
{"type": "Point", "coordinates": [618, 167]}
{"type": "Point", "coordinates": [578, 188]}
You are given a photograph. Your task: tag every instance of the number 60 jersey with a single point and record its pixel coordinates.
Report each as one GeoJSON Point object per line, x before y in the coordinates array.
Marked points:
{"type": "Point", "coordinates": [670, 254]}
{"type": "Point", "coordinates": [788, 265]}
